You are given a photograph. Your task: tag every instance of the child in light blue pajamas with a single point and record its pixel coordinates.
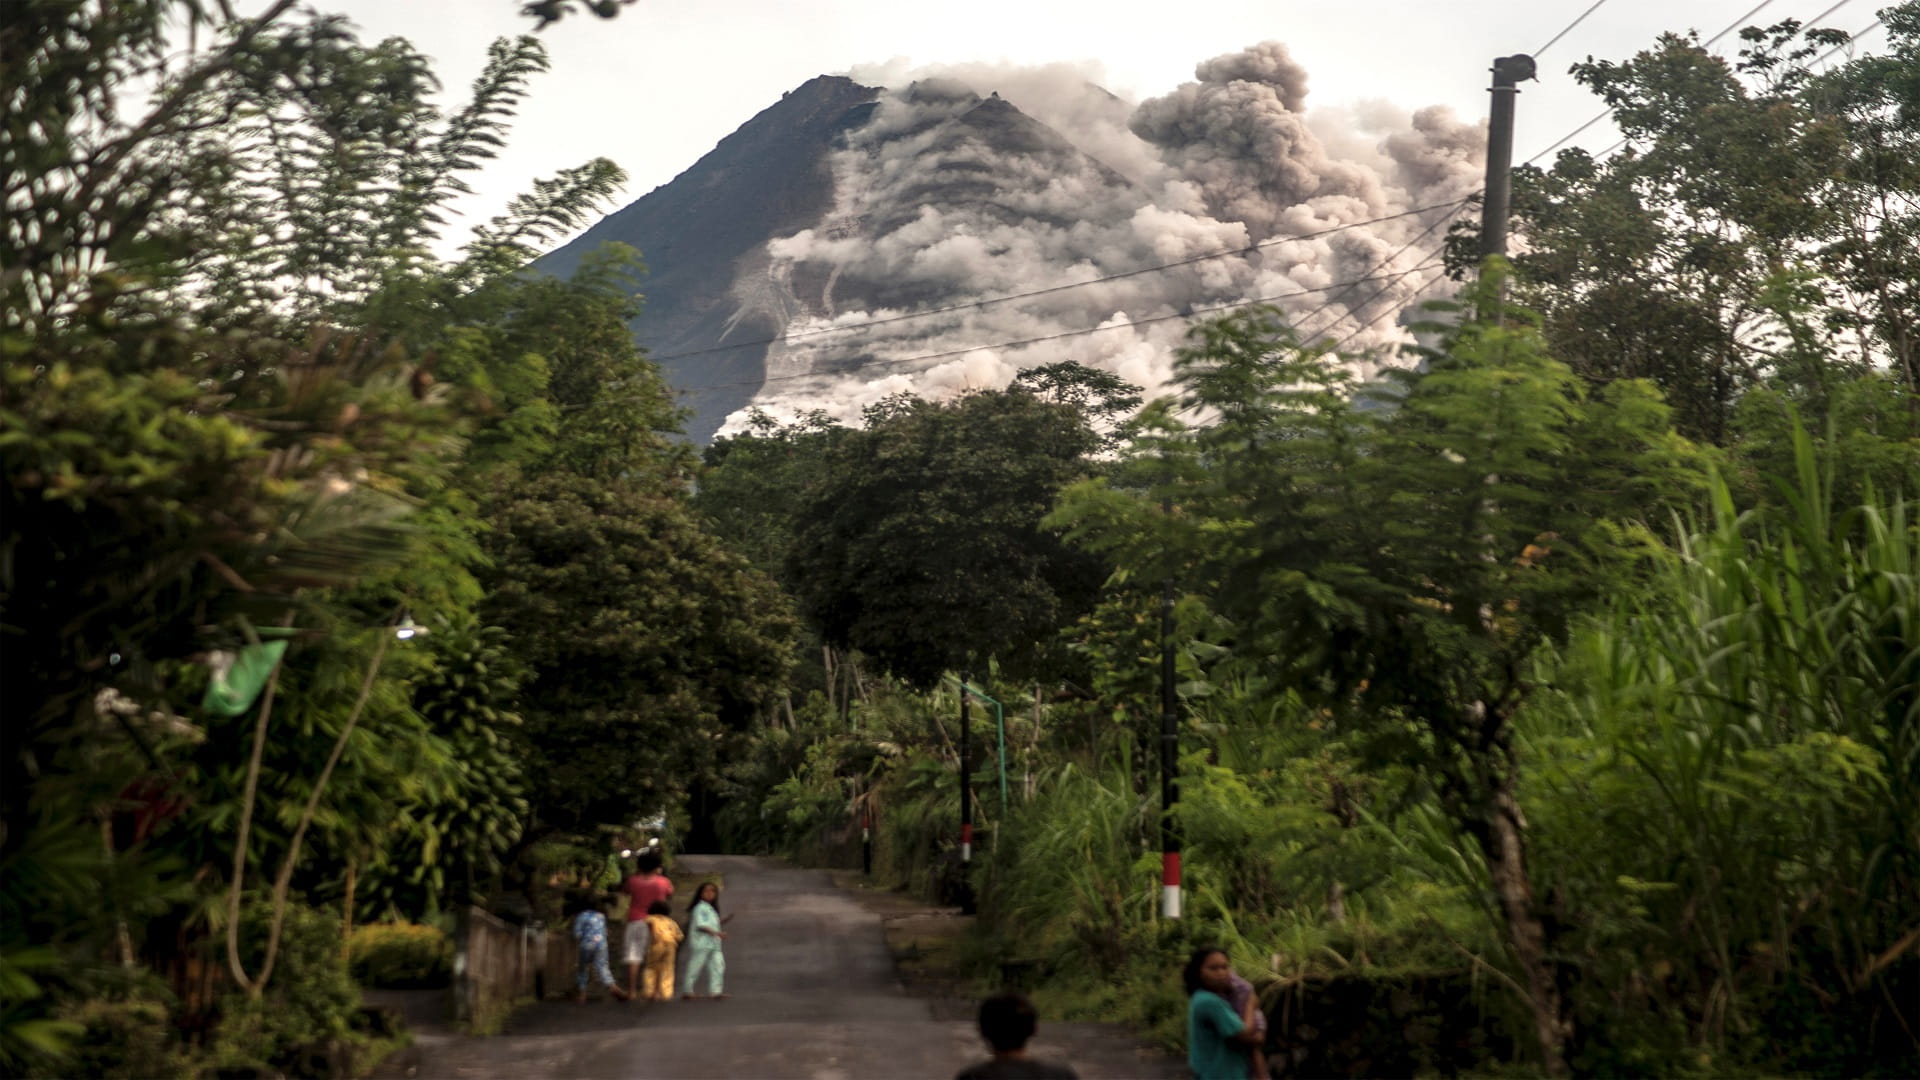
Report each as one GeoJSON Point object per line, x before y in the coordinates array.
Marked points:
{"type": "Point", "coordinates": [589, 929]}
{"type": "Point", "coordinates": [704, 935]}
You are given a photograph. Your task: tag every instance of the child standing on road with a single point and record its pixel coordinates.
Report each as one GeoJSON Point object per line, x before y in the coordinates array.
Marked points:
{"type": "Point", "coordinates": [663, 943]}
{"type": "Point", "coordinates": [589, 929]}
{"type": "Point", "coordinates": [704, 935]}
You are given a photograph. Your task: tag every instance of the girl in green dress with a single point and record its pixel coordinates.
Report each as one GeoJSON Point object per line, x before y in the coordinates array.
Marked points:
{"type": "Point", "coordinates": [704, 935]}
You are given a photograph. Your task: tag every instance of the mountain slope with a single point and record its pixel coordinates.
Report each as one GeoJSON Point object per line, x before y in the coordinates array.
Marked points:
{"type": "Point", "coordinates": [940, 236]}
{"type": "Point", "coordinates": [767, 179]}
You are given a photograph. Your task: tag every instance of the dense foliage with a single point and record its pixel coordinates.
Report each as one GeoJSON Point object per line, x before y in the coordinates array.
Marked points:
{"type": "Point", "coordinates": [1554, 702]}
{"type": "Point", "coordinates": [1487, 676]}
{"type": "Point", "coordinates": [1756, 230]}
{"type": "Point", "coordinates": [921, 543]}
{"type": "Point", "coordinates": [250, 425]}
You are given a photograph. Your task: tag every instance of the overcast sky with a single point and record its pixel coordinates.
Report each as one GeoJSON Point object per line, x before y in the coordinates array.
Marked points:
{"type": "Point", "coordinates": [659, 86]}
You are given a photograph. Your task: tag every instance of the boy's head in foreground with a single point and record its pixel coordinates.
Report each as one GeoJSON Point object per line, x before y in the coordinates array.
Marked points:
{"type": "Point", "coordinates": [1007, 1021]}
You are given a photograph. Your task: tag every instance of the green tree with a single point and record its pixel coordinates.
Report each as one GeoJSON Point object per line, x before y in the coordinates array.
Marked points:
{"type": "Point", "coordinates": [544, 12]}
{"type": "Point", "coordinates": [1400, 566]}
{"type": "Point", "coordinates": [211, 426]}
{"type": "Point", "coordinates": [1758, 226]}
{"type": "Point", "coordinates": [643, 640]}
{"type": "Point", "coordinates": [451, 847]}
{"type": "Point", "coordinates": [922, 545]}
{"type": "Point", "coordinates": [752, 485]}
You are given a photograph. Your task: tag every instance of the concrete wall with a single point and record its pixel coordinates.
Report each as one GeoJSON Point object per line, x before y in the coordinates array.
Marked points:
{"type": "Point", "coordinates": [497, 964]}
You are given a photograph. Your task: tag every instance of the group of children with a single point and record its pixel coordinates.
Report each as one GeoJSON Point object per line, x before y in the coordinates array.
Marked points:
{"type": "Point", "coordinates": [652, 940]}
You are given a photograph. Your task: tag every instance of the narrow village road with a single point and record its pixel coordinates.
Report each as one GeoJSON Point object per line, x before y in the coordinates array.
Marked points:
{"type": "Point", "coordinates": [814, 996]}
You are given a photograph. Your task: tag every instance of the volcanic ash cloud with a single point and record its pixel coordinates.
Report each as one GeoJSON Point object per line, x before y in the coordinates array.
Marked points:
{"type": "Point", "coordinates": [977, 182]}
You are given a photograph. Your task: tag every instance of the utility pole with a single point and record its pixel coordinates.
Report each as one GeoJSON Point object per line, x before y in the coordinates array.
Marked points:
{"type": "Point", "coordinates": [866, 835]}
{"type": "Point", "coordinates": [1508, 73]}
{"type": "Point", "coordinates": [966, 803]}
{"type": "Point", "coordinates": [1169, 754]}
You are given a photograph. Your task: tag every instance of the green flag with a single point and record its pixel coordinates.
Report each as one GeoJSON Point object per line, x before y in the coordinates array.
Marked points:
{"type": "Point", "coordinates": [234, 692]}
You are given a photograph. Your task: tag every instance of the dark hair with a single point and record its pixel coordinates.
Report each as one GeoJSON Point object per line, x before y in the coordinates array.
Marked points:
{"type": "Point", "coordinates": [647, 862]}
{"type": "Point", "coordinates": [578, 900]}
{"type": "Point", "coordinates": [659, 907]}
{"type": "Point", "coordinates": [1007, 1021]}
{"type": "Point", "coordinates": [713, 903]}
{"type": "Point", "coordinates": [1191, 975]}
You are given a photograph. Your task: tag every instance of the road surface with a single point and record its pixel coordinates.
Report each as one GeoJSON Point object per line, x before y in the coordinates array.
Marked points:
{"type": "Point", "coordinates": [814, 996]}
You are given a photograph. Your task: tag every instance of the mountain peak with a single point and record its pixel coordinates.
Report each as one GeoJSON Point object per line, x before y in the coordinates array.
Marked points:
{"type": "Point", "coordinates": [714, 291]}
{"type": "Point", "coordinates": [850, 242]}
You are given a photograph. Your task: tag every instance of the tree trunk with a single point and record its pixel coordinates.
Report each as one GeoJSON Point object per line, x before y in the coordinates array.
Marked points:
{"type": "Point", "coordinates": [859, 681]}
{"type": "Point", "coordinates": [247, 798]}
{"type": "Point", "coordinates": [1033, 747]}
{"type": "Point", "coordinates": [122, 936]}
{"type": "Point", "coordinates": [1503, 842]}
{"type": "Point", "coordinates": [346, 920]}
{"type": "Point", "coordinates": [846, 693]}
{"type": "Point", "coordinates": [826, 658]}
{"type": "Point", "coordinates": [278, 915]}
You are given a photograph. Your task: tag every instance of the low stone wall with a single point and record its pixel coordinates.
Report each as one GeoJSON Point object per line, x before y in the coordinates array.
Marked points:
{"type": "Point", "coordinates": [498, 964]}
{"type": "Point", "coordinates": [562, 959]}
{"type": "Point", "coordinates": [1411, 1025]}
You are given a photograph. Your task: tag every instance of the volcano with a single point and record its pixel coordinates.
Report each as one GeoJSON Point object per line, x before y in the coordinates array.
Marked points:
{"type": "Point", "coordinates": [855, 241]}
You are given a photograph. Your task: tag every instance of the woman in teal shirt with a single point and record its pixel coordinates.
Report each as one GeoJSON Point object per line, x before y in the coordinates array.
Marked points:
{"type": "Point", "coordinates": [1219, 1040]}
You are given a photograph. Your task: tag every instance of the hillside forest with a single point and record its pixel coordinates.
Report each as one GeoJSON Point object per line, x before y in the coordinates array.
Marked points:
{"type": "Point", "coordinates": [1548, 705]}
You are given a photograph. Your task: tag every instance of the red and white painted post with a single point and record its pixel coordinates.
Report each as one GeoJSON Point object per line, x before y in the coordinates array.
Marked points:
{"type": "Point", "coordinates": [1169, 760]}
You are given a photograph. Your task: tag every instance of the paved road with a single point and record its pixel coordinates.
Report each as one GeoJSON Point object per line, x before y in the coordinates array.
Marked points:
{"type": "Point", "coordinates": [813, 996]}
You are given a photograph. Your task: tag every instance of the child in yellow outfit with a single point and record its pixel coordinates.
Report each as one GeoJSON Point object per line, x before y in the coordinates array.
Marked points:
{"type": "Point", "coordinates": [663, 942]}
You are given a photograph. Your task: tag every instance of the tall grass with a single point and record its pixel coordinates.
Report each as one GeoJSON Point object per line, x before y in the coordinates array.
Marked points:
{"type": "Point", "coordinates": [1721, 778]}
{"type": "Point", "coordinates": [1732, 793]}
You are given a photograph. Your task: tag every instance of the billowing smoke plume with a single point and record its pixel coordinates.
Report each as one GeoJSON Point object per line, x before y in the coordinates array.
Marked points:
{"type": "Point", "coordinates": [972, 183]}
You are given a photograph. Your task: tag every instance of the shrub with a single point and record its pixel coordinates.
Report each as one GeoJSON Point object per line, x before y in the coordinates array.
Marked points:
{"type": "Point", "coordinates": [126, 1040]}
{"type": "Point", "coordinates": [399, 956]}
{"type": "Point", "coordinates": [303, 1024]}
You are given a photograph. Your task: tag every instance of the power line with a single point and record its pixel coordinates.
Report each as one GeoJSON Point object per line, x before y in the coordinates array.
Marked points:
{"type": "Point", "coordinates": [1551, 42]}
{"type": "Point", "coordinates": [1852, 39]}
{"type": "Point", "coordinates": [1377, 267]}
{"type": "Point", "coordinates": [1737, 23]}
{"type": "Point", "coordinates": [1569, 136]}
{"type": "Point", "coordinates": [1425, 261]}
{"type": "Point", "coordinates": [990, 301]}
{"type": "Point", "coordinates": [1829, 11]}
{"type": "Point", "coordinates": [1348, 286]}
{"type": "Point", "coordinates": [1724, 31]}
{"type": "Point", "coordinates": [1369, 324]}
{"type": "Point", "coordinates": [1080, 332]}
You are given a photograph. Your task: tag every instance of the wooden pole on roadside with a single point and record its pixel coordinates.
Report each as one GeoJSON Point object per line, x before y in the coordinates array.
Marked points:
{"type": "Point", "coordinates": [966, 801]}
{"type": "Point", "coordinates": [1169, 753]}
